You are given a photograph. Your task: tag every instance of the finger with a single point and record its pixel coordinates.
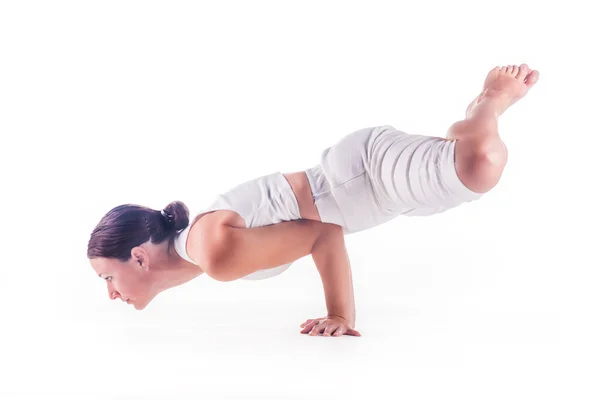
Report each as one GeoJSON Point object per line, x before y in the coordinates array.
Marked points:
{"type": "Point", "coordinates": [329, 330]}
{"type": "Point", "coordinates": [340, 331]}
{"type": "Point", "coordinates": [318, 328]}
{"type": "Point", "coordinates": [308, 327]}
{"type": "Point", "coordinates": [308, 321]}
{"type": "Point", "coordinates": [305, 323]}
{"type": "Point", "coordinates": [353, 332]}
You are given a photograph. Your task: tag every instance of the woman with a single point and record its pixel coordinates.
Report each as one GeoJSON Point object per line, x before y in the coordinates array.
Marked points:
{"type": "Point", "coordinates": [258, 228]}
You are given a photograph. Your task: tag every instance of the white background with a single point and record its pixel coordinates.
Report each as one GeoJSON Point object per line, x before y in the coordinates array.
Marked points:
{"type": "Point", "coordinates": [112, 102]}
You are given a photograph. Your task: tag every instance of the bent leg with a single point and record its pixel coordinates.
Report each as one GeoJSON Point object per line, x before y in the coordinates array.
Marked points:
{"type": "Point", "coordinates": [415, 175]}
{"type": "Point", "coordinates": [480, 154]}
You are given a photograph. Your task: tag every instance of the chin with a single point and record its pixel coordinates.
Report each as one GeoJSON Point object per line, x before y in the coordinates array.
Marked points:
{"type": "Point", "coordinates": [142, 303]}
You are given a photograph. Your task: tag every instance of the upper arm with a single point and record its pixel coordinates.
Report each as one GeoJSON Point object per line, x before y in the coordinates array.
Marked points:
{"type": "Point", "coordinates": [246, 250]}
{"type": "Point", "coordinates": [205, 241]}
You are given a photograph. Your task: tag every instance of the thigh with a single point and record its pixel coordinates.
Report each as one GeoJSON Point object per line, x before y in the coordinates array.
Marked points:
{"type": "Point", "coordinates": [376, 174]}
{"type": "Point", "coordinates": [415, 174]}
{"type": "Point", "coordinates": [358, 205]}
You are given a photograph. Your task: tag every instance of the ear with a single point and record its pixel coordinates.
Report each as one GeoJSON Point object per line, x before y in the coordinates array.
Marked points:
{"type": "Point", "coordinates": [140, 258]}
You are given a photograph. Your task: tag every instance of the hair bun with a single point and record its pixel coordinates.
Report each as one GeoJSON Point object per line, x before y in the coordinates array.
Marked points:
{"type": "Point", "coordinates": [168, 217]}
{"type": "Point", "coordinates": [176, 214]}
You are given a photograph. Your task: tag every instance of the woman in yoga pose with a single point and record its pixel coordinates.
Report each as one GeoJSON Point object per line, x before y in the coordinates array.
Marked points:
{"type": "Point", "coordinates": [260, 227]}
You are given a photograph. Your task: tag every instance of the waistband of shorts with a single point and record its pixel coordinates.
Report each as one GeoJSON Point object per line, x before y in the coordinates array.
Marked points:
{"type": "Point", "coordinates": [326, 204]}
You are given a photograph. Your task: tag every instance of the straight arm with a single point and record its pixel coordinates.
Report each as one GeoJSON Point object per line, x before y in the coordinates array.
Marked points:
{"type": "Point", "coordinates": [331, 258]}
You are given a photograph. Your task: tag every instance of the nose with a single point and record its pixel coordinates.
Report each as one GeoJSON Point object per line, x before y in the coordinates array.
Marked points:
{"type": "Point", "coordinates": [112, 294]}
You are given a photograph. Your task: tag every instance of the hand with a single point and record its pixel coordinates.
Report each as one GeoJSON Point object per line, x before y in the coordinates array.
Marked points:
{"type": "Point", "coordinates": [329, 326]}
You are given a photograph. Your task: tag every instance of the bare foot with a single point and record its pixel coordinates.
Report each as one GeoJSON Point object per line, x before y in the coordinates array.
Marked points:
{"type": "Point", "coordinates": [508, 84]}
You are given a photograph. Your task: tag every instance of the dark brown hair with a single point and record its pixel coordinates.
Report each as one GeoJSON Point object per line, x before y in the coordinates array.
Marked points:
{"type": "Point", "coordinates": [130, 225]}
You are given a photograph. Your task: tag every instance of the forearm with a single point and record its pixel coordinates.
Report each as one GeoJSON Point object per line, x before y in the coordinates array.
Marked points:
{"type": "Point", "coordinates": [331, 258]}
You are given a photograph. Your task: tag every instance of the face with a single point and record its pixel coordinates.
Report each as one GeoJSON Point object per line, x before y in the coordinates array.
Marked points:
{"type": "Point", "coordinates": [128, 281]}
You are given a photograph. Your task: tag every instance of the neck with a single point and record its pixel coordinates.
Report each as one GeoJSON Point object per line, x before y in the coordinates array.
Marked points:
{"type": "Point", "coordinates": [177, 271]}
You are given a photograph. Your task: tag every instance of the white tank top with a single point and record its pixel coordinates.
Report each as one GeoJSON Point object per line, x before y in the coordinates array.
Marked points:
{"type": "Point", "coordinates": [262, 201]}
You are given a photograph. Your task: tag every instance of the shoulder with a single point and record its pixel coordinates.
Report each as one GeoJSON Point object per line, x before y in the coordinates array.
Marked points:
{"type": "Point", "coordinates": [230, 218]}
{"type": "Point", "coordinates": [208, 237]}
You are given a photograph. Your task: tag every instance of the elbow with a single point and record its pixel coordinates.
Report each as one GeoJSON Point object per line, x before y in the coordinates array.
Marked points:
{"type": "Point", "coordinates": [220, 268]}
{"type": "Point", "coordinates": [222, 276]}
{"type": "Point", "coordinates": [215, 256]}
{"type": "Point", "coordinates": [217, 270]}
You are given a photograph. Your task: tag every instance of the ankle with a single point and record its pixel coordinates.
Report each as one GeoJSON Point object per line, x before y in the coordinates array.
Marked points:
{"type": "Point", "coordinates": [495, 95]}
{"type": "Point", "coordinates": [492, 104]}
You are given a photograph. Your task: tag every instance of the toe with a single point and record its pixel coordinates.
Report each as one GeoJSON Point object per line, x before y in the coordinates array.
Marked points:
{"type": "Point", "coordinates": [513, 70]}
{"type": "Point", "coordinates": [494, 72]}
{"type": "Point", "coordinates": [504, 69]}
{"type": "Point", "coordinates": [522, 72]}
{"type": "Point", "coordinates": [532, 78]}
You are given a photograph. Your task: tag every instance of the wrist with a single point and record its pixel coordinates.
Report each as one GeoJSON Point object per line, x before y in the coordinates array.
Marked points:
{"type": "Point", "coordinates": [348, 319]}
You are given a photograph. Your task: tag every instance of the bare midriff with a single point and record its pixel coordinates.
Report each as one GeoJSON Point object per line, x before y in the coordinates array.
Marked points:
{"type": "Point", "coordinates": [299, 183]}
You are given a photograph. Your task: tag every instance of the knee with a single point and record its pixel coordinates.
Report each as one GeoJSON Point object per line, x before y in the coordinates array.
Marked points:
{"type": "Point", "coordinates": [480, 165]}
{"type": "Point", "coordinates": [490, 171]}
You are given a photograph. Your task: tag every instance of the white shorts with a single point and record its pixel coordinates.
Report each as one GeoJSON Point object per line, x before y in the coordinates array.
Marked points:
{"type": "Point", "coordinates": [375, 174]}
